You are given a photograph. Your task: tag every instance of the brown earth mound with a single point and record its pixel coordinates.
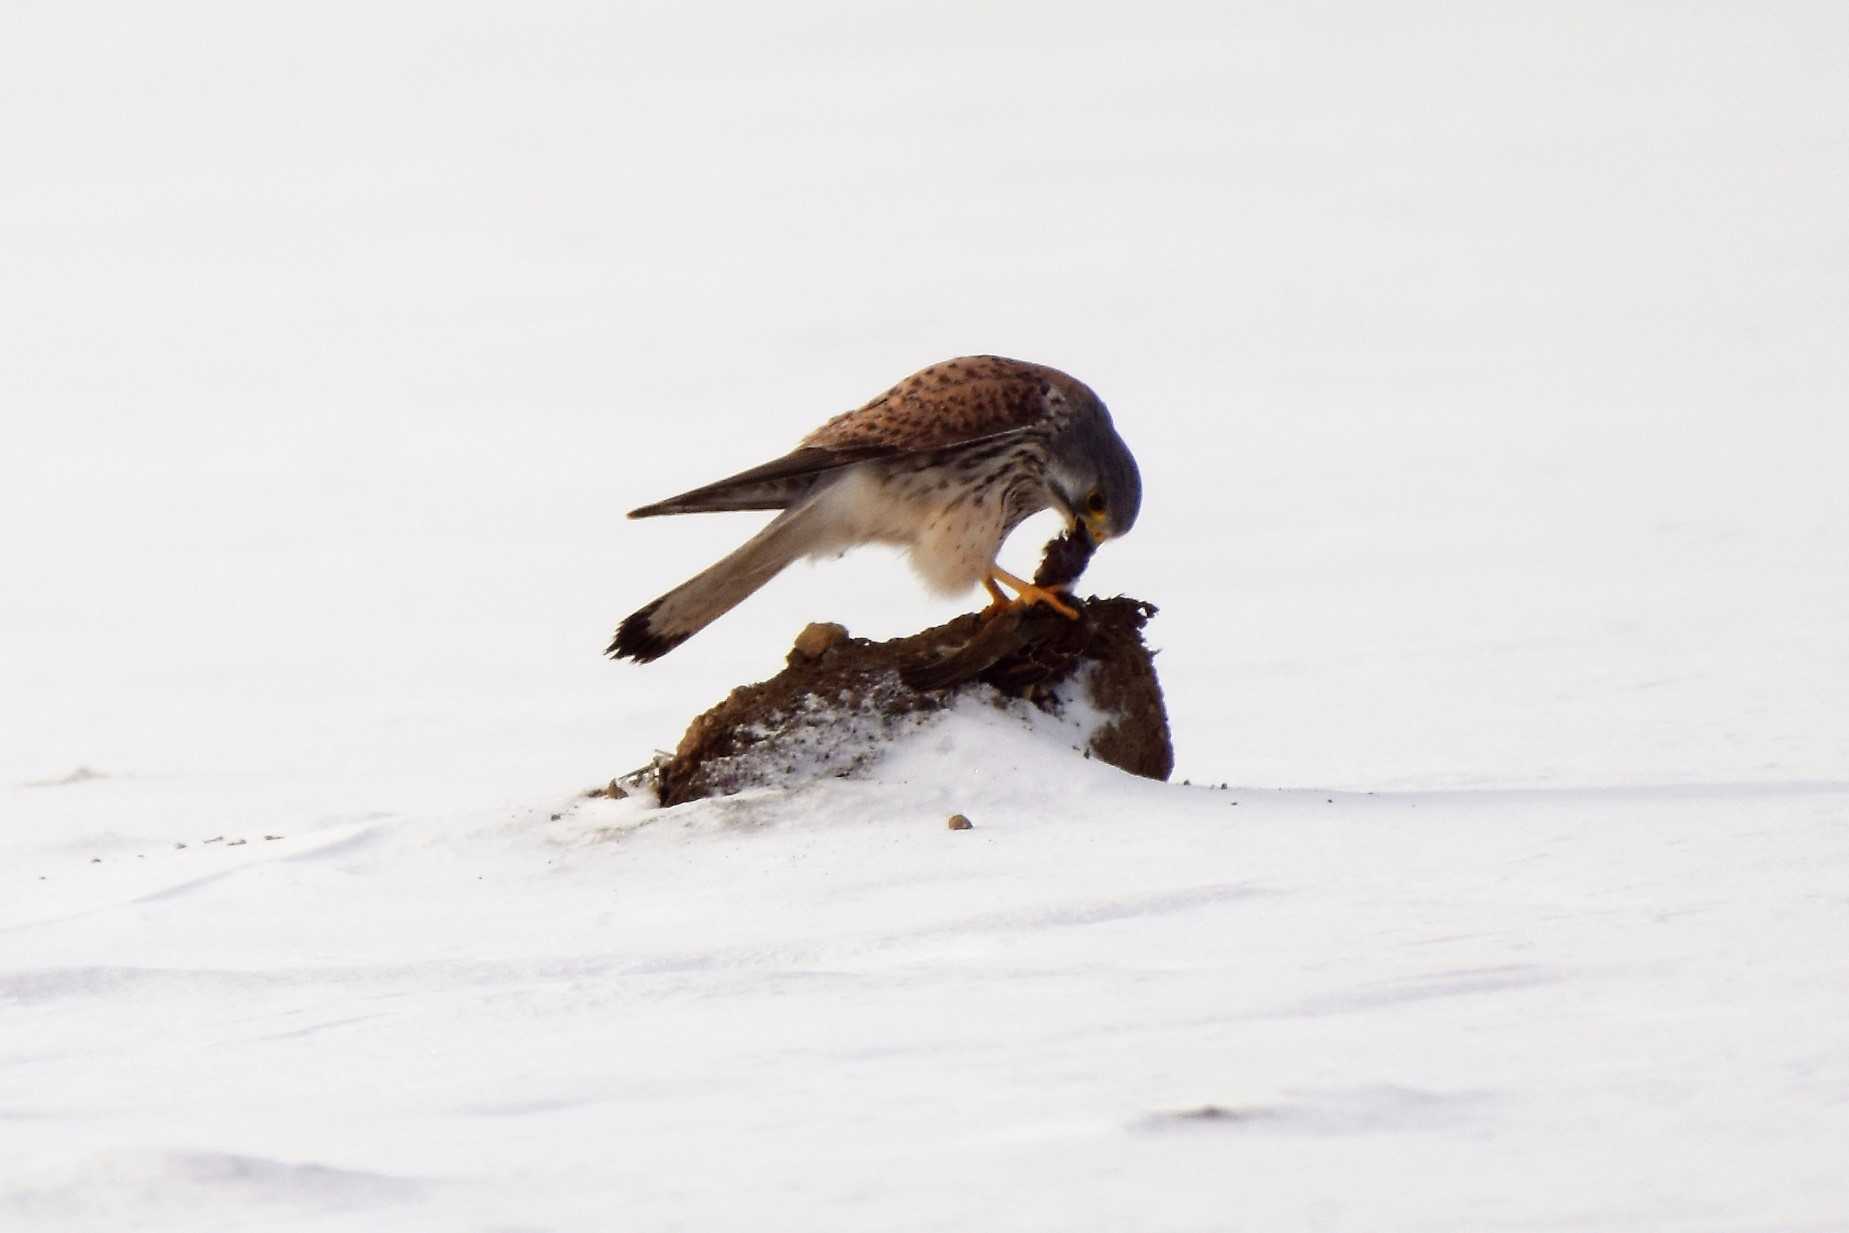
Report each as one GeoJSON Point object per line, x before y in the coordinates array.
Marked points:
{"type": "Point", "coordinates": [842, 699]}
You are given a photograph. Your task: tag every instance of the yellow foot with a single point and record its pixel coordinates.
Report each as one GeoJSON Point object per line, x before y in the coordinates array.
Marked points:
{"type": "Point", "coordinates": [1029, 595]}
{"type": "Point", "coordinates": [998, 601]}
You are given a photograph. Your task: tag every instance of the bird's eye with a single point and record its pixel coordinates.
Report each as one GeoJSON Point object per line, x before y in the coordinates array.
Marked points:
{"type": "Point", "coordinates": [1095, 502]}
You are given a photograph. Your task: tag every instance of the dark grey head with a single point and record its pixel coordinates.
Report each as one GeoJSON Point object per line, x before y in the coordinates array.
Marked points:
{"type": "Point", "coordinates": [1090, 470]}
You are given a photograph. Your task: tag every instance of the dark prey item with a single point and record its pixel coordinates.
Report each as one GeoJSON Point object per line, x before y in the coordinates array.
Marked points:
{"type": "Point", "coordinates": [1066, 558]}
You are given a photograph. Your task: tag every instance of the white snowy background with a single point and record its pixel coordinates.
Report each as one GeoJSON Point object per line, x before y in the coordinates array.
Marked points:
{"type": "Point", "coordinates": [1487, 370]}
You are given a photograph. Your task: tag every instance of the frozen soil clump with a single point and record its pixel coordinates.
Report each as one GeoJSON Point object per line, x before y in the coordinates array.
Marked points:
{"type": "Point", "coordinates": [842, 700]}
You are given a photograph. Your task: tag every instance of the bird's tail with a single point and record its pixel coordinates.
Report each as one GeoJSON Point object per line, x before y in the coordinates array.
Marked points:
{"type": "Point", "coordinates": [654, 630]}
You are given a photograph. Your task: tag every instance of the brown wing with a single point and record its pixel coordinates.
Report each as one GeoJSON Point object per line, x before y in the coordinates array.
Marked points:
{"type": "Point", "coordinates": [954, 403]}
{"type": "Point", "coordinates": [948, 404]}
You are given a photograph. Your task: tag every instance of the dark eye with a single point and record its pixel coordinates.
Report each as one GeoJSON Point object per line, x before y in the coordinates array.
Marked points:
{"type": "Point", "coordinates": [1095, 502]}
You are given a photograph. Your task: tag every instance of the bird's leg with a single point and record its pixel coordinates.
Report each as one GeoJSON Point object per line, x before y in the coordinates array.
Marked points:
{"type": "Point", "coordinates": [998, 599]}
{"type": "Point", "coordinates": [1029, 593]}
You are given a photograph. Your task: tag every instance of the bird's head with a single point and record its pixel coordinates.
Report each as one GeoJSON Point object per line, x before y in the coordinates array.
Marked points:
{"type": "Point", "coordinates": [1092, 474]}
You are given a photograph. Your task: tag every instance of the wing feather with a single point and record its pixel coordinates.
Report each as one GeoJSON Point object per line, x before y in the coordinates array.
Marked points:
{"type": "Point", "coordinates": [774, 485]}
{"type": "Point", "coordinates": [947, 406]}
{"type": "Point", "coordinates": [954, 403]}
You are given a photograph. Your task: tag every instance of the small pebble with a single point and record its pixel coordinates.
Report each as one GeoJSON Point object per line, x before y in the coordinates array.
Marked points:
{"type": "Point", "coordinates": [816, 640]}
{"type": "Point", "coordinates": [960, 823]}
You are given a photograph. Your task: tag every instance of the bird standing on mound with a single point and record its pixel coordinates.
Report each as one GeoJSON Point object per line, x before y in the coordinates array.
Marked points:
{"type": "Point", "coordinates": [944, 464]}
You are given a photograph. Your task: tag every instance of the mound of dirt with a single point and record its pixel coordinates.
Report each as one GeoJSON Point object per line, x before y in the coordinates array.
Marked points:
{"type": "Point", "coordinates": [842, 700]}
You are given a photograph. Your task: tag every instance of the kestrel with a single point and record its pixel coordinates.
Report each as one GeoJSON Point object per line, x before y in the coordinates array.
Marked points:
{"type": "Point", "coordinates": [944, 464]}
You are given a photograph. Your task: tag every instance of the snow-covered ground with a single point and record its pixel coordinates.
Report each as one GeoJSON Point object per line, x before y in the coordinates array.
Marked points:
{"type": "Point", "coordinates": [1112, 1004]}
{"type": "Point", "coordinates": [1487, 375]}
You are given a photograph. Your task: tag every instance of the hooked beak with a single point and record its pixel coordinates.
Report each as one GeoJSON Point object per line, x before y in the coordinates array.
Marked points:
{"type": "Point", "coordinates": [1097, 525]}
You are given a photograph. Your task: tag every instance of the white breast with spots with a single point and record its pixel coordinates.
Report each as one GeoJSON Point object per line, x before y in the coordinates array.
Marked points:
{"type": "Point", "coordinates": [952, 543]}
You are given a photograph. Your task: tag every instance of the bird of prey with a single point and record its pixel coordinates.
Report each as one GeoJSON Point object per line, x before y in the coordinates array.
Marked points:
{"type": "Point", "coordinates": [944, 464]}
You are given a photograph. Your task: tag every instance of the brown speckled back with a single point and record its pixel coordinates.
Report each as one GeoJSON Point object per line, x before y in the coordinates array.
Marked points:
{"type": "Point", "coordinates": [973, 396]}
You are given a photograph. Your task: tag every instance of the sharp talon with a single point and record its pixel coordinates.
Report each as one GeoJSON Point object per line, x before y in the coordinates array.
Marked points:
{"type": "Point", "coordinates": [1040, 595]}
{"type": "Point", "coordinates": [1029, 596]}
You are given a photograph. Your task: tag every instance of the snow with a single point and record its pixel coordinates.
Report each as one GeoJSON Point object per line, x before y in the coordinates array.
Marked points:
{"type": "Point", "coordinates": [822, 1006]}
{"type": "Point", "coordinates": [1485, 371]}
